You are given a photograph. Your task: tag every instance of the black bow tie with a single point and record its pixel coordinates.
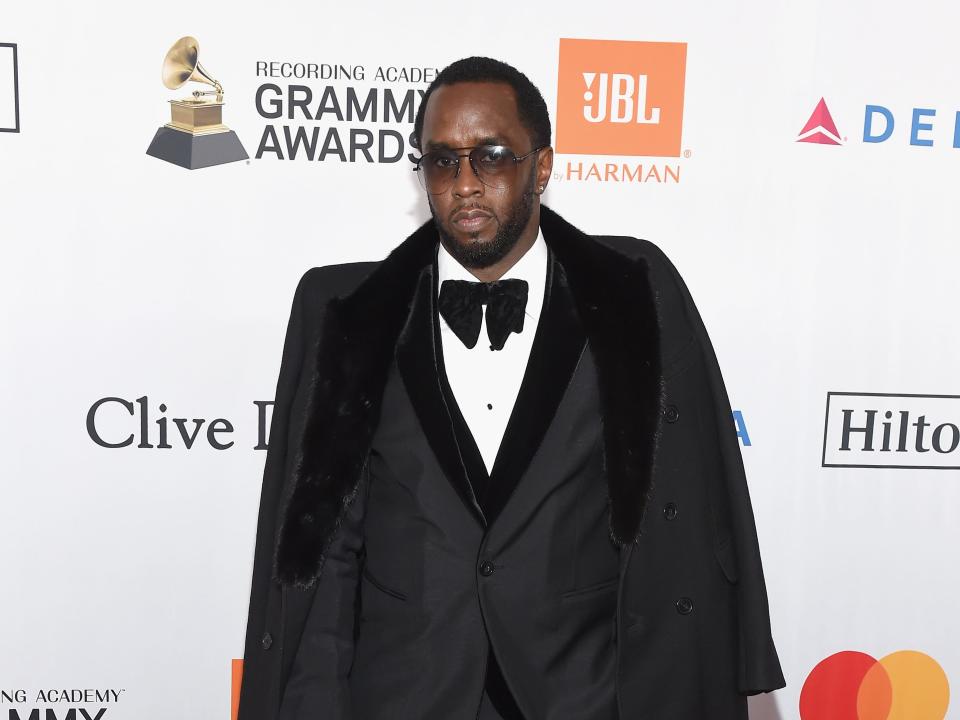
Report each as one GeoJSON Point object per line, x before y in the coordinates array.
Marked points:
{"type": "Point", "coordinates": [460, 305]}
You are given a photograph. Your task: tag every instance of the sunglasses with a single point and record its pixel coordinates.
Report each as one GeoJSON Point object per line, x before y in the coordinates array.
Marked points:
{"type": "Point", "coordinates": [494, 165]}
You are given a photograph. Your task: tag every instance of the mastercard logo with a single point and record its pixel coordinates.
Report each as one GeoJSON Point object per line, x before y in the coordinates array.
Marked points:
{"type": "Point", "coordinates": [849, 685]}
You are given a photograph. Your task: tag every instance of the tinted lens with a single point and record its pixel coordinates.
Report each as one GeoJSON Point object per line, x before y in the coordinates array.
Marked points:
{"type": "Point", "coordinates": [493, 164]}
{"type": "Point", "coordinates": [437, 168]}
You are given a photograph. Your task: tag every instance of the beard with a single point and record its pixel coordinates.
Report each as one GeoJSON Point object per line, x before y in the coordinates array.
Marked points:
{"type": "Point", "coordinates": [484, 254]}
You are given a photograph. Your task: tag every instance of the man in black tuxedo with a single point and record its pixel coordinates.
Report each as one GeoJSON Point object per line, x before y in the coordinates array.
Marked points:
{"type": "Point", "coordinates": [503, 479]}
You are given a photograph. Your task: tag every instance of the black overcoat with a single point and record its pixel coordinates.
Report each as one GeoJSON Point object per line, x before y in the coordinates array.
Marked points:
{"type": "Point", "coordinates": [692, 628]}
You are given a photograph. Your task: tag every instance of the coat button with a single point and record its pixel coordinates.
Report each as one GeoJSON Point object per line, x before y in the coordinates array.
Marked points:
{"type": "Point", "coordinates": [266, 641]}
{"type": "Point", "coordinates": [670, 511]}
{"type": "Point", "coordinates": [486, 568]}
{"type": "Point", "coordinates": [684, 606]}
{"type": "Point", "coordinates": [671, 414]}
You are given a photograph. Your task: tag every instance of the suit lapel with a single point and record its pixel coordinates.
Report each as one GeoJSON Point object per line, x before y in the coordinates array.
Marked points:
{"type": "Point", "coordinates": [556, 348]}
{"type": "Point", "coordinates": [420, 361]}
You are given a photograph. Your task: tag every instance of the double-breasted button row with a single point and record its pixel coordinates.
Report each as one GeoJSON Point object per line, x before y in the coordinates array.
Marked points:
{"type": "Point", "coordinates": [486, 568]}
{"type": "Point", "coordinates": [684, 605]}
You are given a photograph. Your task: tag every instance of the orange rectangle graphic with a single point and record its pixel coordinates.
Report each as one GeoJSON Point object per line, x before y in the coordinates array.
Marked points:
{"type": "Point", "coordinates": [620, 97]}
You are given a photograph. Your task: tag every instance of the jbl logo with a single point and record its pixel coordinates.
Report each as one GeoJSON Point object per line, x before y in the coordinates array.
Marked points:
{"type": "Point", "coordinates": [619, 97]}
{"type": "Point", "coordinates": [622, 94]}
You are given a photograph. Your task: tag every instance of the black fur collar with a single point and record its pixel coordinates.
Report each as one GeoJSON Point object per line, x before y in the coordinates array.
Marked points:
{"type": "Point", "coordinates": [617, 306]}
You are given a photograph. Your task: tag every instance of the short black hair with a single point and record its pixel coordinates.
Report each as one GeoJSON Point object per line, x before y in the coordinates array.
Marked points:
{"type": "Point", "coordinates": [530, 104]}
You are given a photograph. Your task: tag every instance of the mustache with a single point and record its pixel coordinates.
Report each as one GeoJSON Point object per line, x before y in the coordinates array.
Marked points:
{"type": "Point", "coordinates": [470, 206]}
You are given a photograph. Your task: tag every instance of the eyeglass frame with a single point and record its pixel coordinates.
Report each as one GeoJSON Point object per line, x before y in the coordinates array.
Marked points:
{"type": "Point", "coordinates": [516, 159]}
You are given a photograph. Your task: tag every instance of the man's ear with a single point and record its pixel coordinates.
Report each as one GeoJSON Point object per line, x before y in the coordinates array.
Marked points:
{"type": "Point", "coordinates": [544, 168]}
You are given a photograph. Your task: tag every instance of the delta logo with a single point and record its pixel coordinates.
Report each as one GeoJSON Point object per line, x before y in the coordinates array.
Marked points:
{"type": "Point", "coordinates": [851, 685]}
{"type": "Point", "coordinates": [620, 98]}
{"type": "Point", "coordinates": [820, 128]}
{"type": "Point", "coordinates": [918, 128]}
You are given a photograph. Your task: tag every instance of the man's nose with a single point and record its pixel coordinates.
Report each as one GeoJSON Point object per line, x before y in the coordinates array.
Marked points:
{"type": "Point", "coordinates": [466, 183]}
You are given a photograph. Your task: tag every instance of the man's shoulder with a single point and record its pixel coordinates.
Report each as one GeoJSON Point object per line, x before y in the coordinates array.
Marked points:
{"type": "Point", "coordinates": [633, 248]}
{"type": "Point", "coordinates": [675, 306]}
{"type": "Point", "coordinates": [664, 277]}
{"type": "Point", "coordinates": [321, 284]}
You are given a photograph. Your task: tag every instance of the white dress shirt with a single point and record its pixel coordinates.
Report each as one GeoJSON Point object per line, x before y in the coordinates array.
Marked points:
{"type": "Point", "coordinates": [485, 382]}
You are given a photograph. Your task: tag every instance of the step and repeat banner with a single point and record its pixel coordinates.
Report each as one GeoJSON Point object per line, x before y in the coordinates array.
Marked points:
{"type": "Point", "coordinates": [798, 162]}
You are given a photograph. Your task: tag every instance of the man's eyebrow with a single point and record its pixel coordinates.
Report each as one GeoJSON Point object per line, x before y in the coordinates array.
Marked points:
{"type": "Point", "coordinates": [436, 146]}
{"type": "Point", "coordinates": [487, 140]}
{"type": "Point", "coordinates": [492, 140]}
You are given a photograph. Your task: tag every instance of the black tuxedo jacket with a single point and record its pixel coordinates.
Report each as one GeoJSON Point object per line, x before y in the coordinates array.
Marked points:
{"type": "Point", "coordinates": [689, 629]}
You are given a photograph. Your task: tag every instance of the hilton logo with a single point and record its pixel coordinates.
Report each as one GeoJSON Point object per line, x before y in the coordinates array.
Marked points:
{"type": "Point", "coordinates": [877, 430]}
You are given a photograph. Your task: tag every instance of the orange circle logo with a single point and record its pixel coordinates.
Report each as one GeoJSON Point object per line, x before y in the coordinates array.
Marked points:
{"type": "Point", "coordinates": [849, 685]}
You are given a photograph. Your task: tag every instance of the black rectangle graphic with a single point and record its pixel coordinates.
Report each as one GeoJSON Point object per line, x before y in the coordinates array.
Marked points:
{"type": "Point", "coordinates": [9, 89]}
{"type": "Point", "coordinates": [888, 430]}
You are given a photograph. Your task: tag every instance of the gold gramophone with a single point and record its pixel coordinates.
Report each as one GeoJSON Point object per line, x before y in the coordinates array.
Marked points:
{"type": "Point", "coordinates": [195, 137]}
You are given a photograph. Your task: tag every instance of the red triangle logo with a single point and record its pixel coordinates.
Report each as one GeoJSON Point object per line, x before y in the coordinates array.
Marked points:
{"type": "Point", "coordinates": [820, 128]}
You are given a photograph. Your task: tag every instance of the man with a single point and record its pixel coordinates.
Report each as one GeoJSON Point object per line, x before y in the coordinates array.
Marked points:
{"type": "Point", "coordinates": [503, 479]}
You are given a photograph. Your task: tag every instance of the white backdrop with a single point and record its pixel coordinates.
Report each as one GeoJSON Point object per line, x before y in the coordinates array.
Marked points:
{"type": "Point", "coordinates": [818, 268]}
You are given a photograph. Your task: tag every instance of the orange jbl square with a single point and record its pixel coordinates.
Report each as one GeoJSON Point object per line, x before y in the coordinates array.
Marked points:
{"type": "Point", "coordinates": [620, 97]}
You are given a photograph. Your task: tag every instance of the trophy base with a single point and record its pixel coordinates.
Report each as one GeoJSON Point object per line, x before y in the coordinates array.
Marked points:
{"type": "Point", "coordinates": [196, 151]}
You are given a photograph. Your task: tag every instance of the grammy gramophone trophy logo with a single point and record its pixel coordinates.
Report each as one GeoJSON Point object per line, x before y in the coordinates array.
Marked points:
{"type": "Point", "coordinates": [195, 137]}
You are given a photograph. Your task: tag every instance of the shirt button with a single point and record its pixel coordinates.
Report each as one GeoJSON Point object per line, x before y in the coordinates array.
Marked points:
{"type": "Point", "coordinates": [486, 568]}
{"type": "Point", "coordinates": [489, 406]}
{"type": "Point", "coordinates": [266, 641]}
{"type": "Point", "coordinates": [670, 511]}
{"type": "Point", "coordinates": [684, 606]}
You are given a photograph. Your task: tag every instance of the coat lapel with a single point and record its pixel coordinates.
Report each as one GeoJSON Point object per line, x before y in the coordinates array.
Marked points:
{"type": "Point", "coordinates": [613, 299]}
{"type": "Point", "coordinates": [350, 365]}
{"type": "Point", "coordinates": [617, 305]}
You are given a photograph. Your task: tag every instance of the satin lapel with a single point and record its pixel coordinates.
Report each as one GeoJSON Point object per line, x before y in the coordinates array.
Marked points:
{"type": "Point", "coordinates": [556, 349]}
{"type": "Point", "coordinates": [420, 364]}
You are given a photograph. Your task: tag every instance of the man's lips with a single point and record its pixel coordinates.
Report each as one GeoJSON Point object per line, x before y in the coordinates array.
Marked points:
{"type": "Point", "coordinates": [471, 219]}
